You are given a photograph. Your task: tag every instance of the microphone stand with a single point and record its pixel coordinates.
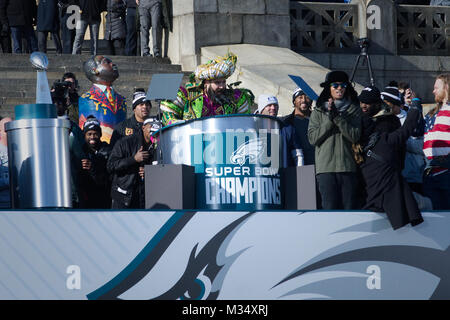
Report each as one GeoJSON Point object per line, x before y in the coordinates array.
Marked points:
{"type": "Point", "coordinates": [159, 139]}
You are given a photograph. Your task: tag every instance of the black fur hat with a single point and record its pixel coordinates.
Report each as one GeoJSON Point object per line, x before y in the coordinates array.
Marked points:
{"type": "Point", "coordinates": [335, 76]}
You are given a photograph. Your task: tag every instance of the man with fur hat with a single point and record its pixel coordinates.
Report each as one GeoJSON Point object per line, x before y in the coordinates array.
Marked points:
{"type": "Point", "coordinates": [102, 101]}
{"type": "Point", "coordinates": [94, 179]}
{"type": "Point", "coordinates": [141, 110]}
{"type": "Point", "coordinates": [334, 126]}
{"type": "Point", "coordinates": [126, 164]}
{"type": "Point", "coordinates": [207, 94]}
{"type": "Point", "coordinates": [299, 119]}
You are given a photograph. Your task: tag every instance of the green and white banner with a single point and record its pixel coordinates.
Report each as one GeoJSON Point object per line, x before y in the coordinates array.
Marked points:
{"type": "Point", "coordinates": [237, 170]}
{"type": "Point", "coordinates": [188, 255]}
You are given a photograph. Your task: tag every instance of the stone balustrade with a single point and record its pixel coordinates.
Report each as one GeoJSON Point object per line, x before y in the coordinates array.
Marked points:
{"type": "Point", "coordinates": [392, 29]}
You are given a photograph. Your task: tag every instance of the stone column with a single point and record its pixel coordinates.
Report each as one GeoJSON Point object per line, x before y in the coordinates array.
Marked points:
{"type": "Point", "coordinates": [200, 23]}
{"type": "Point", "coordinates": [382, 27]}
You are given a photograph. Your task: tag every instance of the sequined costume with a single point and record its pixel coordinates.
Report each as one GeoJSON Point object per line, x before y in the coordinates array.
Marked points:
{"type": "Point", "coordinates": [96, 103]}
{"type": "Point", "coordinates": [193, 103]}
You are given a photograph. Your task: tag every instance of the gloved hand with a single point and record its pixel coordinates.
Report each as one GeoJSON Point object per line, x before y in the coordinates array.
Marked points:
{"type": "Point", "coordinates": [332, 110]}
{"type": "Point", "coordinates": [373, 139]}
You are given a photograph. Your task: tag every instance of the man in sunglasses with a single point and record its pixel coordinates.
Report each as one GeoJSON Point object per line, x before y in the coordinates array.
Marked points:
{"type": "Point", "coordinates": [334, 126]}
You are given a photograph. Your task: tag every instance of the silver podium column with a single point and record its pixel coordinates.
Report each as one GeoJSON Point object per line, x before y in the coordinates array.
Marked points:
{"type": "Point", "coordinates": [38, 150]}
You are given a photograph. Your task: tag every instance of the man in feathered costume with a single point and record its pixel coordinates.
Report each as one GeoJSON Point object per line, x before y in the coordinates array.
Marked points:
{"type": "Point", "coordinates": [207, 94]}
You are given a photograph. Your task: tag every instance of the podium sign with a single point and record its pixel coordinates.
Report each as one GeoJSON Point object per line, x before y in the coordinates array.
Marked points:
{"type": "Point", "coordinates": [237, 160]}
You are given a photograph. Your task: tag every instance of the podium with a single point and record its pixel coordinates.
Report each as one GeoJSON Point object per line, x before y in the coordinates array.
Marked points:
{"type": "Point", "coordinates": [236, 160]}
{"type": "Point", "coordinates": [230, 162]}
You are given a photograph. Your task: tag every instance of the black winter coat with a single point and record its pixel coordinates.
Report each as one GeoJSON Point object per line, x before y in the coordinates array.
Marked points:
{"type": "Point", "coordinates": [47, 16]}
{"type": "Point", "coordinates": [91, 10]}
{"type": "Point", "coordinates": [127, 186]}
{"type": "Point", "coordinates": [301, 131]}
{"type": "Point", "coordinates": [125, 128]}
{"type": "Point", "coordinates": [387, 191]}
{"type": "Point", "coordinates": [115, 20]}
{"type": "Point", "coordinates": [18, 12]}
{"type": "Point", "coordinates": [95, 184]}
{"type": "Point", "coordinates": [131, 4]}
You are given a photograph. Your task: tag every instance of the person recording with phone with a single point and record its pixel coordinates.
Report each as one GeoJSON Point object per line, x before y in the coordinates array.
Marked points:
{"type": "Point", "coordinates": [334, 127]}
{"type": "Point", "coordinates": [126, 165]}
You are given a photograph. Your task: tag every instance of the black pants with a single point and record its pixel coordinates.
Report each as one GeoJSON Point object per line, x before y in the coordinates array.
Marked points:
{"type": "Point", "coordinates": [137, 200]}
{"type": "Point", "coordinates": [42, 41]}
{"type": "Point", "coordinates": [5, 43]}
{"type": "Point", "coordinates": [132, 35]}
{"type": "Point", "coordinates": [338, 190]}
{"type": "Point", "coordinates": [67, 35]}
{"type": "Point", "coordinates": [116, 47]}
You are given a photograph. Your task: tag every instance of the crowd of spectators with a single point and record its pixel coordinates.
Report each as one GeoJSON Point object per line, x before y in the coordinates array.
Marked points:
{"type": "Point", "coordinates": [374, 151]}
{"type": "Point", "coordinates": [126, 21]}
{"type": "Point", "coordinates": [128, 24]}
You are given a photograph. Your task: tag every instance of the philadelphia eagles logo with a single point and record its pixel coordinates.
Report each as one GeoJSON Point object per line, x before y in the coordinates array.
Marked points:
{"type": "Point", "coordinates": [251, 149]}
{"type": "Point", "coordinates": [204, 272]}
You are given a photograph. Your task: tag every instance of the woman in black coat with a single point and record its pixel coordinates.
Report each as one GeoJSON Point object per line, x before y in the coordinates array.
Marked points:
{"type": "Point", "coordinates": [384, 144]}
{"type": "Point", "coordinates": [115, 30]}
{"type": "Point", "coordinates": [48, 21]}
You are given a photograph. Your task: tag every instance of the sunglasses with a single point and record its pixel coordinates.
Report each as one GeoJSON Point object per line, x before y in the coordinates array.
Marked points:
{"type": "Point", "coordinates": [337, 85]}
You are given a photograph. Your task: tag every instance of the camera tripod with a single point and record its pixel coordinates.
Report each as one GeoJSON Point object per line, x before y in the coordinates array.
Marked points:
{"type": "Point", "coordinates": [364, 45]}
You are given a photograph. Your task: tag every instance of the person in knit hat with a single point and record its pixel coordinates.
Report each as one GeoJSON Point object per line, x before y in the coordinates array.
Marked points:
{"type": "Point", "coordinates": [207, 93]}
{"type": "Point", "coordinates": [302, 103]}
{"type": "Point", "coordinates": [383, 141]}
{"type": "Point", "coordinates": [141, 111]}
{"type": "Point", "coordinates": [370, 100]}
{"type": "Point", "coordinates": [126, 165]}
{"type": "Point", "coordinates": [292, 152]}
{"type": "Point", "coordinates": [391, 96]}
{"type": "Point", "coordinates": [334, 127]}
{"type": "Point", "coordinates": [299, 119]}
{"type": "Point", "coordinates": [94, 190]}
{"type": "Point", "coordinates": [267, 105]}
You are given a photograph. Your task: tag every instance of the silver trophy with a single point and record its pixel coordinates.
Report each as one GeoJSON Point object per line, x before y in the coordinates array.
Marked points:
{"type": "Point", "coordinates": [40, 62]}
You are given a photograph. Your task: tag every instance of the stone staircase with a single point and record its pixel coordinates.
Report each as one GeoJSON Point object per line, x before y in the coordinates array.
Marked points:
{"type": "Point", "coordinates": [18, 78]}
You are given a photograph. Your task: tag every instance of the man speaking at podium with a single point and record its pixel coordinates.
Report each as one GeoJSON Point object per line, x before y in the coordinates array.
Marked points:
{"type": "Point", "coordinates": [206, 94]}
